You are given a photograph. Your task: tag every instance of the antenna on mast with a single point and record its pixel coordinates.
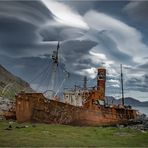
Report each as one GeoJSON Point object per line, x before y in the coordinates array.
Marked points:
{"type": "Point", "coordinates": [55, 55]}
{"type": "Point", "coordinates": [58, 46]}
{"type": "Point", "coordinates": [122, 89]}
{"type": "Point", "coordinates": [85, 83]}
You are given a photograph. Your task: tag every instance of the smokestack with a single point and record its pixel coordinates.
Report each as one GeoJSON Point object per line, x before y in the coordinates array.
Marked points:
{"type": "Point", "coordinates": [101, 78]}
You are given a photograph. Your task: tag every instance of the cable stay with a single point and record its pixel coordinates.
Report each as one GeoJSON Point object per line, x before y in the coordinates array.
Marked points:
{"type": "Point", "coordinates": [51, 76]}
{"type": "Point", "coordinates": [46, 76]}
{"type": "Point", "coordinates": [39, 73]}
{"type": "Point", "coordinates": [59, 87]}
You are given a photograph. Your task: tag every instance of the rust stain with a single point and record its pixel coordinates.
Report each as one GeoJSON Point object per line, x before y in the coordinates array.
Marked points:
{"type": "Point", "coordinates": [35, 107]}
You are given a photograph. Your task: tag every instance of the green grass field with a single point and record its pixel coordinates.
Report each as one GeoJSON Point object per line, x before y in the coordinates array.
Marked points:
{"type": "Point", "coordinates": [44, 135]}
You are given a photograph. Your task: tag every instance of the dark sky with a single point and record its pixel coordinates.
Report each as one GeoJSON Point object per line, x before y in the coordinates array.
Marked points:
{"type": "Point", "coordinates": [91, 34]}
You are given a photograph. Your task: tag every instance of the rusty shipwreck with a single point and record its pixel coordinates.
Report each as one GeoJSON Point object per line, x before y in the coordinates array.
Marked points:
{"type": "Point", "coordinates": [84, 106]}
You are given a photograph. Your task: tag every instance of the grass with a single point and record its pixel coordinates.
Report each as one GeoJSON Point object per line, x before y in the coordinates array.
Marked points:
{"type": "Point", "coordinates": [11, 90]}
{"type": "Point", "coordinates": [44, 135]}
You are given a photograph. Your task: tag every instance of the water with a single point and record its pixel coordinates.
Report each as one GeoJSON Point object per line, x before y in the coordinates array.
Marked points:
{"type": "Point", "coordinates": [143, 110]}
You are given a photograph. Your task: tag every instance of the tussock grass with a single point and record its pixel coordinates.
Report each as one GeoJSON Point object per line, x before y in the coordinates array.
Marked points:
{"type": "Point", "coordinates": [44, 135]}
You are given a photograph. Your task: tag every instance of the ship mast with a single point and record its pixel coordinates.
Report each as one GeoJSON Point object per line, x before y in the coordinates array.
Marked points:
{"type": "Point", "coordinates": [122, 89]}
{"type": "Point", "coordinates": [85, 83]}
{"type": "Point", "coordinates": [55, 63]}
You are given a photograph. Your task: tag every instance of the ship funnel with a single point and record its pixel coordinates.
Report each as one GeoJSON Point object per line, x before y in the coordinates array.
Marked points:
{"type": "Point", "coordinates": [101, 78]}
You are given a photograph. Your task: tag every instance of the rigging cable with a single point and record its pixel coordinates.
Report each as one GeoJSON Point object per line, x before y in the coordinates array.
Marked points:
{"type": "Point", "coordinates": [66, 76]}
{"type": "Point", "coordinates": [39, 73]}
{"type": "Point", "coordinates": [46, 72]}
{"type": "Point", "coordinates": [60, 87]}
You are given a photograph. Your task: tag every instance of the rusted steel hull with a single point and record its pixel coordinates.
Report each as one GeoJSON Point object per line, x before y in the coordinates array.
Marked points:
{"type": "Point", "coordinates": [35, 107]}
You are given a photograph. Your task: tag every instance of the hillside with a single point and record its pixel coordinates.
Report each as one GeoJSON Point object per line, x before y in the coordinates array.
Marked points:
{"type": "Point", "coordinates": [11, 84]}
{"type": "Point", "coordinates": [128, 101]}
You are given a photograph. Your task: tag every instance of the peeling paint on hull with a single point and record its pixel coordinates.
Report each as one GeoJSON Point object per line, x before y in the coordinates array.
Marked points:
{"type": "Point", "coordinates": [35, 107]}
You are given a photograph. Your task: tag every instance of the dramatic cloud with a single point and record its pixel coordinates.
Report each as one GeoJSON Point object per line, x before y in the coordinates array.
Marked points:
{"type": "Point", "coordinates": [28, 11]}
{"type": "Point", "coordinates": [76, 54]}
{"type": "Point", "coordinates": [143, 67]}
{"type": "Point", "coordinates": [19, 25]}
{"type": "Point", "coordinates": [65, 14]}
{"type": "Point", "coordinates": [60, 33]}
{"type": "Point", "coordinates": [137, 10]}
{"type": "Point", "coordinates": [82, 6]}
{"type": "Point", "coordinates": [29, 31]}
{"type": "Point", "coordinates": [138, 83]}
{"type": "Point", "coordinates": [120, 35]}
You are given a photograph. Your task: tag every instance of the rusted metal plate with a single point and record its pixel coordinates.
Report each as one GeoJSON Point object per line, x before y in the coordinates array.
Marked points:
{"type": "Point", "coordinates": [35, 107]}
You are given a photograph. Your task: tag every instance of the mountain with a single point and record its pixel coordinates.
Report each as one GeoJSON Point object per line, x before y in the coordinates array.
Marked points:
{"type": "Point", "coordinates": [11, 84]}
{"type": "Point", "coordinates": [128, 101]}
{"type": "Point", "coordinates": [135, 102]}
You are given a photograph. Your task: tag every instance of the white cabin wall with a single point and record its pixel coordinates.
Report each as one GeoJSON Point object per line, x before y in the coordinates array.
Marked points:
{"type": "Point", "coordinates": [73, 98]}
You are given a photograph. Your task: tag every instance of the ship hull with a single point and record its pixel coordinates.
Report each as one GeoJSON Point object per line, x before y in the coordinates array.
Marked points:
{"type": "Point", "coordinates": [35, 107]}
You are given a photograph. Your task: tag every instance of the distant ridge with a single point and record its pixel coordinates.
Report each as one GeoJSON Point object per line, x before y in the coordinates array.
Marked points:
{"type": "Point", "coordinates": [128, 101]}
{"type": "Point", "coordinates": [11, 84]}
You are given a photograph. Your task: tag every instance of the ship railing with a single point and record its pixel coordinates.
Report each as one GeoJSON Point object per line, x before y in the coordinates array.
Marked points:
{"type": "Point", "coordinates": [78, 88]}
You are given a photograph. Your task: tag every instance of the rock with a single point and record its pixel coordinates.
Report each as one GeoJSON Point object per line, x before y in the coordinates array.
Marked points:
{"type": "Point", "coordinates": [33, 125]}
{"type": "Point", "coordinates": [8, 128]}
